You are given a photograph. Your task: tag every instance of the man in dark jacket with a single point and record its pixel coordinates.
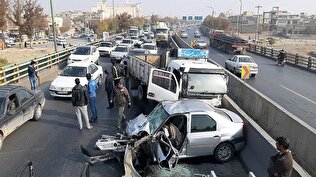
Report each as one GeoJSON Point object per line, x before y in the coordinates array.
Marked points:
{"type": "Point", "coordinates": [281, 164]}
{"type": "Point", "coordinates": [121, 96]}
{"type": "Point", "coordinates": [109, 87]}
{"type": "Point", "coordinates": [116, 72]}
{"type": "Point", "coordinates": [80, 102]}
{"type": "Point", "coordinates": [32, 75]}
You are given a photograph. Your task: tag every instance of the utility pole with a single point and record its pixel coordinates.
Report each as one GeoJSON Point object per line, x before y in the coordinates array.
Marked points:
{"type": "Point", "coordinates": [239, 17]}
{"type": "Point", "coordinates": [53, 24]}
{"type": "Point", "coordinates": [114, 27]}
{"type": "Point", "coordinates": [257, 29]}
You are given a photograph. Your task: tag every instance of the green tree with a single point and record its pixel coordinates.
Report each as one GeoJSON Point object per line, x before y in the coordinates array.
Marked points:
{"type": "Point", "coordinates": [4, 9]}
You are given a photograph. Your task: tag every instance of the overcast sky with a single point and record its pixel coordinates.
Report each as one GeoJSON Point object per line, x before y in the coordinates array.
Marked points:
{"type": "Point", "coordinates": [189, 7]}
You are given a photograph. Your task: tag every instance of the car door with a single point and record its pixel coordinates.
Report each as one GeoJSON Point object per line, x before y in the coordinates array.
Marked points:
{"type": "Point", "coordinates": [162, 85]}
{"type": "Point", "coordinates": [203, 135]}
{"type": "Point", "coordinates": [14, 116]}
{"type": "Point", "coordinates": [229, 63]}
{"type": "Point", "coordinates": [27, 102]}
{"type": "Point", "coordinates": [94, 72]}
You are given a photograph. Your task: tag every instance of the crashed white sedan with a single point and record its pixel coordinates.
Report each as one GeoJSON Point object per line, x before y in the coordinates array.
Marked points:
{"type": "Point", "coordinates": [204, 130]}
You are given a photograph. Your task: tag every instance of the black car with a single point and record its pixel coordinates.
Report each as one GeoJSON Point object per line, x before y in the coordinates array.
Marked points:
{"type": "Point", "coordinates": [17, 106]}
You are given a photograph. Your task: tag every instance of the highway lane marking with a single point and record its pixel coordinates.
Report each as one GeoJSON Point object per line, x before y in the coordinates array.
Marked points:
{"type": "Point", "coordinates": [299, 94]}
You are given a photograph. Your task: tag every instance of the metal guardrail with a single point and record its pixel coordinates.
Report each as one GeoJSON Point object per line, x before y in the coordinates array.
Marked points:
{"type": "Point", "coordinates": [295, 59]}
{"type": "Point", "coordinates": [14, 72]}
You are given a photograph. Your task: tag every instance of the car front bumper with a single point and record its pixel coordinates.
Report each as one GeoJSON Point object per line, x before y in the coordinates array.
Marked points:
{"type": "Point", "coordinates": [62, 94]}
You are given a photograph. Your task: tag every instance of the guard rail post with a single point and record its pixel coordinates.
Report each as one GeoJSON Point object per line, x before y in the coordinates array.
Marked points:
{"type": "Point", "coordinates": [50, 61]}
{"type": "Point", "coordinates": [265, 51]}
{"type": "Point", "coordinates": [272, 52]}
{"type": "Point", "coordinates": [296, 58]}
{"type": "Point", "coordinates": [261, 50]}
{"type": "Point", "coordinates": [2, 75]}
{"type": "Point", "coordinates": [309, 64]}
{"type": "Point", "coordinates": [17, 73]}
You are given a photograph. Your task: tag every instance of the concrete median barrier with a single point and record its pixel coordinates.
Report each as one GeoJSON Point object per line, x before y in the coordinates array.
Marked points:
{"type": "Point", "coordinates": [277, 121]}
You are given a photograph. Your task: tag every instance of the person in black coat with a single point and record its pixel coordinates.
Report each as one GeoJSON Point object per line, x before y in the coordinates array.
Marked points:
{"type": "Point", "coordinates": [109, 87]}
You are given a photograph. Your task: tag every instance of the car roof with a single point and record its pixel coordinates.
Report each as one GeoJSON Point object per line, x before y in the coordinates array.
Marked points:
{"type": "Point", "coordinates": [6, 89]}
{"type": "Point", "coordinates": [89, 46]}
{"type": "Point", "coordinates": [195, 64]}
{"type": "Point", "coordinates": [184, 106]}
{"type": "Point", "coordinates": [80, 63]}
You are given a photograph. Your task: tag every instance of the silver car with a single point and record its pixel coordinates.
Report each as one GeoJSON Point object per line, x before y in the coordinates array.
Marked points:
{"type": "Point", "coordinates": [205, 130]}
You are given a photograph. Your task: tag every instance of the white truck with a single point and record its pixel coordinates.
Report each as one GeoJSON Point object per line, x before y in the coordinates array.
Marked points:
{"type": "Point", "coordinates": [133, 31]}
{"type": "Point", "coordinates": [162, 34]}
{"type": "Point", "coordinates": [185, 76]}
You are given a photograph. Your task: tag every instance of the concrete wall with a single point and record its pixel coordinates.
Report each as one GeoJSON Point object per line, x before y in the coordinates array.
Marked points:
{"type": "Point", "coordinates": [275, 120]}
{"type": "Point", "coordinates": [260, 146]}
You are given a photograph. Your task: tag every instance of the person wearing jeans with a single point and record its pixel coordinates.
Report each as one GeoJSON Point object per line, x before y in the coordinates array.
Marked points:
{"type": "Point", "coordinates": [32, 75]}
{"type": "Point", "coordinates": [92, 87]}
{"type": "Point", "coordinates": [79, 101]}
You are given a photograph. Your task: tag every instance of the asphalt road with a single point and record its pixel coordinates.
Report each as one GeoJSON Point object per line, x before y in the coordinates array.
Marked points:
{"type": "Point", "coordinates": [53, 143]}
{"type": "Point", "coordinates": [290, 87]}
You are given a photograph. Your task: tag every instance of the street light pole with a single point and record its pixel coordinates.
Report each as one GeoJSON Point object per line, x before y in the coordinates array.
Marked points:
{"type": "Point", "coordinates": [257, 30]}
{"type": "Point", "coordinates": [212, 16]}
{"type": "Point", "coordinates": [114, 27]}
{"type": "Point", "coordinates": [239, 18]}
{"type": "Point", "coordinates": [53, 24]}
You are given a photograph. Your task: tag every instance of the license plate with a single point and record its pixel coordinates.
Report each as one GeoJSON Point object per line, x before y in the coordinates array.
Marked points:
{"type": "Point", "coordinates": [62, 92]}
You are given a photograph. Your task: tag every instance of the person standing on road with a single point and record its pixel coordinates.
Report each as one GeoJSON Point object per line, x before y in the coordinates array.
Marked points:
{"type": "Point", "coordinates": [80, 101]}
{"type": "Point", "coordinates": [32, 75]}
{"type": "Point", "coordinates": [109, 87]}
{"type": "Point", "coordinates": [116, 72]}
{"type": "Point", "coordinates": [121, 96]}
{"type": "Point", "coordinates": [281, 164]}
{"type": "Point", "coordinates": [92, 94]}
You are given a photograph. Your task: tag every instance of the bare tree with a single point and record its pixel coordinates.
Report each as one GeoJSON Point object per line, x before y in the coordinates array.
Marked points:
{"type": "Point", "coordinates": [4, 9]}
{"type": "Point", "coordinates": [124, 21]}
{"type": "Point", "coordinates": [17, 18]}
{"type": "Point", "coordinates": [33, 14]}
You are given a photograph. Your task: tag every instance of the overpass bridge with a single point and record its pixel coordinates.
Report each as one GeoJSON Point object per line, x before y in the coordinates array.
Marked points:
{"type": "Point", "coordinates": [262, 108]}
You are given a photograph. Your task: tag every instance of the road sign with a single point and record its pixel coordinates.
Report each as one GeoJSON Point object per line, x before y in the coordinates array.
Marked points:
{"type": "Point", "coordinates": [245, 72]}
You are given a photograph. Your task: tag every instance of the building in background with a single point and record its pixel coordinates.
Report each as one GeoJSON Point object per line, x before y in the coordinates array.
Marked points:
{"type": "Point", "coordinates": [104, 10]}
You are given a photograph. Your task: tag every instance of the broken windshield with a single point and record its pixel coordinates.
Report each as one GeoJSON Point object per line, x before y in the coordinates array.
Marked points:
{"type": "Point", "coordinates": [156, 118]}
{"type": "Point", "coordinates": [207, 83]}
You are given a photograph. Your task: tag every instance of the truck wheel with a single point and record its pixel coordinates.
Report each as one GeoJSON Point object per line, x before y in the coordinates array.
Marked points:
{"type": "Point", "coordinates": [142, 92]}
{"type": "Point", "coordinates": [224, 152]}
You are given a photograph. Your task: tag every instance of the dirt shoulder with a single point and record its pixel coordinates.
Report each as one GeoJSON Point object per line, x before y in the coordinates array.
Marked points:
{"type": "Point", "coordinates": [16, 55]}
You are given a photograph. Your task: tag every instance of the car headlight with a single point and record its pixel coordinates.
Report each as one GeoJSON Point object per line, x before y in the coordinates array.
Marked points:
{"type": "Point", "coordinates": [51, 87]}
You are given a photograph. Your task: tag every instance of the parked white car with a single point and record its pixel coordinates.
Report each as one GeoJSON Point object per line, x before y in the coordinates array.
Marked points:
{"type": "Point", "coordinates": [63, 84]}
{"type": "Point", "coordinates": [235, 64]}
{"type": "Point", "coordinates": [184, 35]}
{"type": "Point", "coordinates": [150, 47]}
{"type": "Point", "coordinates": [120, 52]}
{"type": "Point", "coordinates": [84, 53]}
{"type": "Point", "coordinates": [106, 48]}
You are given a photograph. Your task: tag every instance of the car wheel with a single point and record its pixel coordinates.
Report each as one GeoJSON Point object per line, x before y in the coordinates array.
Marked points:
{"type": "Point", "coordinates": [142, 92]}
{"type": "Point", "coordinates": [226, 66]}
{"type": "Point", "coordinates": [253, 75]}
{"type": "Point", "coordinates": [234, 71]}
{"type": "Point", "coordinates": [37, 112]}
{"type": "Point", "coordinates": [1, 141]}
{"type": "Point", "coordinates": [224, 152]}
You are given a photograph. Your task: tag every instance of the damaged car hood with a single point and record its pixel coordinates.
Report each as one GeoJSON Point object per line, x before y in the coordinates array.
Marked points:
{"type": "Point", "coordinates": [139, 124]}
